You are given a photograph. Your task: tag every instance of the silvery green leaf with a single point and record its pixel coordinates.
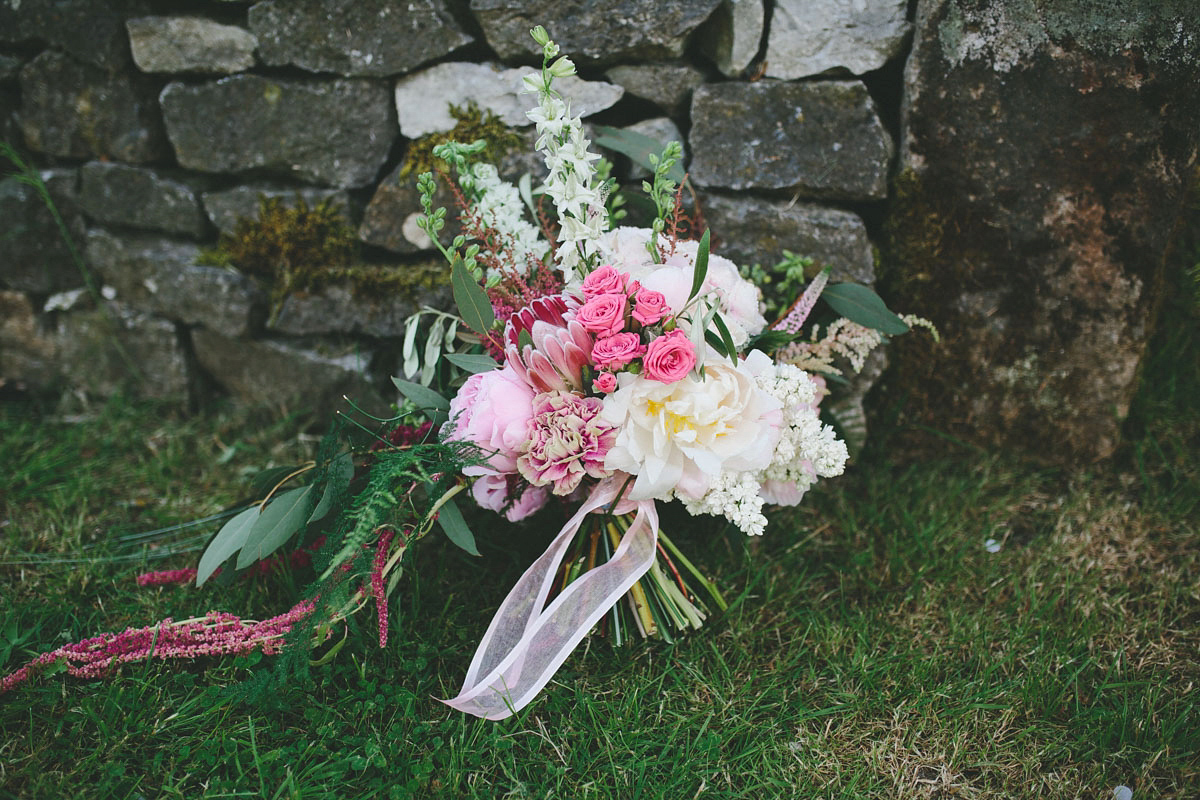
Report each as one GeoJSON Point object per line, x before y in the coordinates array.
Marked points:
{"type": "Point", "coordinates": [433, 349]}
{"type": "Point", "coordinates": [286, 514]}
{"type": "Point", "coordinates": [228, 541]}
{"type": "Point", "coordinates": [337, 481]}
{"type": "Point", "coordinates": [473, 362]}
{"type": "Point", "coordinates": [411, 362]}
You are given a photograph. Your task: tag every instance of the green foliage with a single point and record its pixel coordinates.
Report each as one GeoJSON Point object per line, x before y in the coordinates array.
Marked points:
{"type": "Point", "coordinates": [783, 282]}
{"type": "Point", "coordinates": [288, 249]}
{"type": "Point", "coordinates": [873, 647]}
{"type": "Point", "coordinates": [471, 125]}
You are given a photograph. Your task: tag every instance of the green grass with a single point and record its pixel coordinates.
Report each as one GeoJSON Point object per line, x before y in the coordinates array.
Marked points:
{"type": "Point", "coordinates": [874, 647]}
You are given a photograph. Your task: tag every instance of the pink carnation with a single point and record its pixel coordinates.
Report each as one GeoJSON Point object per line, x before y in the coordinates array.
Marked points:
{"type": "Point", "coordinates": [650, 307]}
{"type": "Point", "coordinates": [603, 315]}
{"type": "Point", "coordinates": [669, 358]}
{"type": "Point", "coordinates": [566, 442]}
{"type": "Point", "coordinates": [616, 351]}
{"type": "Point", "coordinates": [605, 280]}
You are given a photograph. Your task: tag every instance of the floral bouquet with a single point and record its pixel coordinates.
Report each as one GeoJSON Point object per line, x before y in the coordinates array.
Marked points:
{"type": "Point", "coordinates": [610, 368]}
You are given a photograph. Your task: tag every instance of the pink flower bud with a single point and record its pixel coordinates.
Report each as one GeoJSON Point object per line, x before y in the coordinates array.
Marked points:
{"type": "Point", "coordinates": [605, 382]}
{"type": "Point", "coordinates": [650, 307]}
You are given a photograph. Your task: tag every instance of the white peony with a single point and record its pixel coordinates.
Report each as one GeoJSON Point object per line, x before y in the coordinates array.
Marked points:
{"type": "Point", "coordinates": [676, 437]}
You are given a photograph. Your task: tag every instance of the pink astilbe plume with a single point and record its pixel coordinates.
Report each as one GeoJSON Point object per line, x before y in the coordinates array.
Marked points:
{"type": "Point", "coordinates": [378, 592]}
{"type": "Point", "coordinates": [798, 313]}
{"type": "Point", "coordinates": [215, 634]}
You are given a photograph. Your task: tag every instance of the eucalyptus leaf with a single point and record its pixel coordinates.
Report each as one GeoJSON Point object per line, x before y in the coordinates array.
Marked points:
{"type": "Point", "coordinates": [473, 304]}
{"type": "Point", "coordinates": [701, 270]}
{"type": "Point", "coordinates": [265, 481]}
{"type": "Point", "coordinates": [286, 514]}
{"type": "Point", "coordinates": [337, 481]}
{"type": "Point", "coordinates": [641, 149]}
{"type": "Point", "coordinates": [228, 541]}
{"type": "Point", "coordinates": [452, 522]}
{"type": "Point", "coordinates": [409, 352]}
{"type": "Point", "coordinates": [422, 396]}
{"type": "Point", "coordinates": [859, 304]}
{"type": "Point", "coordinates": [473, 362]}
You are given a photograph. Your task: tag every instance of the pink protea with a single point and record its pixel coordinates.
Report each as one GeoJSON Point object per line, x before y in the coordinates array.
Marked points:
{"type": "Point", "coordinates": [567, 442]}
{"type": "Point", "coordinates": [557, 350]}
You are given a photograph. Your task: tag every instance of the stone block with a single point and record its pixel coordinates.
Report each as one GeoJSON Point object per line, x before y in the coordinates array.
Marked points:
{"type": "Point", "coordinates": [333, 132]}
{"type": "Point", "coordinates": [817, 139]}
{"type": "Point", "coordinates": [810, 37]}
{"type": "Point", "coordinates": [226, 207]}
{"type": "Point", "coordinates": [77, 111]}
{"type": "Point", "coordinates": [140, 198]}
{"type": "Point", "coordinates": [667, 85]}
{"type": "Point", "coordinates": [365, 37]}
{"type": "Point", "coordinates": [34, 256]}
{"type": "Point", "coordinates": [189, 44]}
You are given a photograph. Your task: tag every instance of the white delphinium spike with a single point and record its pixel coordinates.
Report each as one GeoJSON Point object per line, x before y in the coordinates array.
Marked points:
{"type": "Point", "coordinates": [570, 184]}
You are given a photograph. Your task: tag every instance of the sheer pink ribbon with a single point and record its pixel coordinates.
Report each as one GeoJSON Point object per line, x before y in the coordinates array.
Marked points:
{"type": "Point", "coordinates": [525, 645]}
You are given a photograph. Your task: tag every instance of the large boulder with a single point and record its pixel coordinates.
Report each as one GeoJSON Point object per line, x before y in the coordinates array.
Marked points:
{"type": "Point", "coordinates": [809, 37]}
{"type": "Point", "coordinates": [818, 139]}
{"type": "Point", "coordinates": [597, 31]}
{"type": "Point", "coordinates": [365, 37]}
{"type": "Point", "coordinates": [1044, 159]}
{"type": "Point", "coordinates": [335, 132]}
{"type": "Point", "coordinates": [73, 110]}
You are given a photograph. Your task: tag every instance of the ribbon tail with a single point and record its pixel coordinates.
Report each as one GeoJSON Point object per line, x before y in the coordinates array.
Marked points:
{"type": "Point", "coordinates": [523, 648]}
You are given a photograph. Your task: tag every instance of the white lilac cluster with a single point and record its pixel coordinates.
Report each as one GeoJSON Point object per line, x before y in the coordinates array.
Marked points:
{"type": "Point", "coordinates": [807, 449]}
{"type": "Point", "coordinates": [735, 496]}
{"type": "Point", "coordinates": [497, 205]}
{"type": "Point", "coordinates": [580, 204]}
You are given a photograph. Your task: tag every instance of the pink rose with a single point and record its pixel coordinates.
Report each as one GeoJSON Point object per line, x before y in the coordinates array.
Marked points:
{"type": "Point", "coordinates": [605, 280]}
{"type": "Point", "coordinates": [492, 410]}
{"type": "Point", "coordinates": [491, 492]}
{"type": "Point", "coordinates": [603, 315]}
{"type": "Point", "coordinates": [669, 358]}
{"type": "Point", "coordinates": [616, 351]}
{"type": "Point", "coordinates": [605, 382]}
{"type": "Point", "coordinates": [650, 306]}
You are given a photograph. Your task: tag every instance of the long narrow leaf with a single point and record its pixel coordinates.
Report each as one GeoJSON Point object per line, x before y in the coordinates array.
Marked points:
{"type": "Point", "coordinates": [473, 362]}
{"type": "Point", "coordinates": [859, 304]}
{"type": "Point", "coordinates": [279, 521]}
{"type": "Point", "coordinates": [638, 147]}
{"type": "Point", "coordinates": [473, 304]}
{"type": "Point", "coordinates": [422, 396]}
{"type": "Point", "coordinates": [455, 527]}
{"type": "Point", "coordinates": [701, 271]}
{"type": "Point", "coordinates": [228, 541]}
{"type": "Point", "coordinates": [726, 337]}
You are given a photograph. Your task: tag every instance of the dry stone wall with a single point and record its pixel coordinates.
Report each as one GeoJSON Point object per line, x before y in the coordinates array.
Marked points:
{"type": "Point", "coordinates": [156, 130]}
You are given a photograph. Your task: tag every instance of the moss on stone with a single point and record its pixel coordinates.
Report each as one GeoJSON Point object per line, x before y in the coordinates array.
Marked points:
{"type": "Point", "coordinates": [472, 125]}
{"type": "Point", "coordinates": [303, 249]}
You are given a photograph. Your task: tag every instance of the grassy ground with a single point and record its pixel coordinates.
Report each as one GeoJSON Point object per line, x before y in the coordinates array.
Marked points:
{"type": "Point", "coordinates": [875, 648]}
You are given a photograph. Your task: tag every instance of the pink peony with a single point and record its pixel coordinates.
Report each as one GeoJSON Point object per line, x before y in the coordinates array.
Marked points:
{"type": "Point", "coordinates": [669, 358]}
{"type": "Point", "coordinates": [650, 306]}
{"type": "Point", "coordinates": [605, 382]}
{"type": "Point", "coordinates": [605, 280]}
{"type": "Point", "coordinates": [492, 409]}
{"type": "Point", "coordinates": [603, 315]}
{"type": "Point", "coordinates": [567, 442]}
{"type": "Point", "coordinates": [616, 351]}
{"type": "Point", "coordinates": [491, 492]}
